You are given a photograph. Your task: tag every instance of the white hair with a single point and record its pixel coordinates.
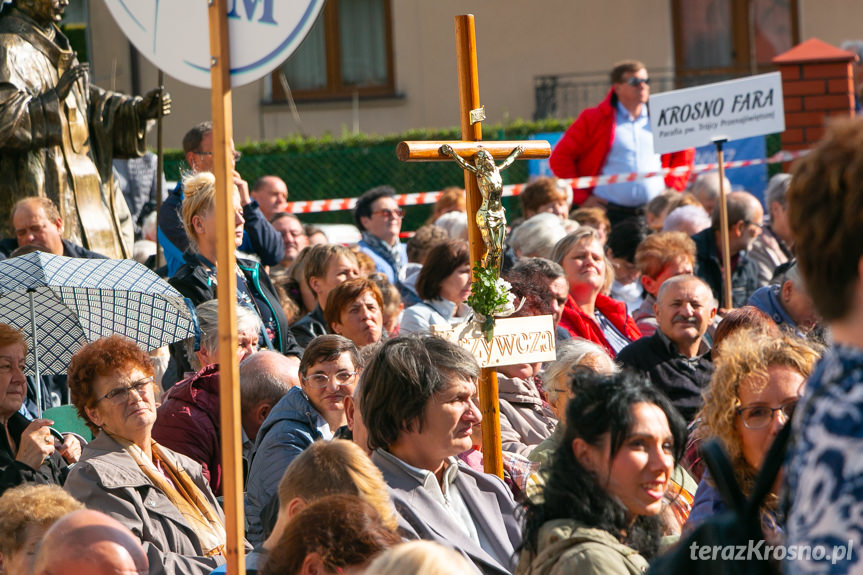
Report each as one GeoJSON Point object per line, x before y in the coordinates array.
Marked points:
{"type": "Point", "coordinates": [455, 224]}
{"type": "Point", "coordinates": [208, 320]}
{"type": "Point", "coordinates": [536, 236]}
{"type": "Point", "coordinates": [572, 353]}
{"type": "Point", "coordinates": [688, 219]}
{"type": "Point", "coordinates": [706, 186]}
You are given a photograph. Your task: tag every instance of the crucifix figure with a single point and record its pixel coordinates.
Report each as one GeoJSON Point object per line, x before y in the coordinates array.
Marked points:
{"type": "Point", "coordinates": [484, 186]}
{"type": "Point", "coordinates": [491, 216]}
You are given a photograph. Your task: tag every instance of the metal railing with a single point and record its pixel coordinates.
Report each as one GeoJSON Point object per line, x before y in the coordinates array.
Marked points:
{"type": "Point", "coordinates": [564, 96]}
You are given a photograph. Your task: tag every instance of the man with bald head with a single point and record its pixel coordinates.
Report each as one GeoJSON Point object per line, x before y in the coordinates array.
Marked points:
{"type": "Point", "coordinates": [271, 193]}
{"type": "Point", "coordinates": [745, 220]}
{"type": "Point", "coordinates": [676, 357]}
{"type": "Point", "coordinates": [90, 542]}
{"type": "Point", "coordinates": [264, 378]}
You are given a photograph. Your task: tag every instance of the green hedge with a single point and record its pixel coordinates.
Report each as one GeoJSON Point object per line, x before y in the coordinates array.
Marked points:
{"type": "Point", "coordinates": [344, 167]}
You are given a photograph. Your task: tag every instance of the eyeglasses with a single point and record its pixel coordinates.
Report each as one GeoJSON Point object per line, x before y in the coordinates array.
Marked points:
{"type": "Point", "coordinates": [237, 155]}
{"type": "Point", "coordinates": [396, 213]}
{"type": "Point", "coordinates": [756, 224]}
{"type": "Point", "coordinates": [760, 416]}
{"type": "Point", "coordinates": [120, 395]}
{"type": "Point", "coordinates": [637, 82]}
{"type": "Point", "coordinates": [322, 380]}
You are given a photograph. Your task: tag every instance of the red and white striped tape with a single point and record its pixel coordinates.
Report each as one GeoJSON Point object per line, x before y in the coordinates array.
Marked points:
{"type": "Point", "coordinates": [421, 198]}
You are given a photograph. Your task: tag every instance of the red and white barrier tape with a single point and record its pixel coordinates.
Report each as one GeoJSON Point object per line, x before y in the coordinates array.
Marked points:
{"type": "Point", "coordinates": [421, 198]}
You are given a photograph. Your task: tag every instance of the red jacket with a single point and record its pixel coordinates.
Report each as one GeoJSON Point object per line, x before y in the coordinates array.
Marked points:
{"type": "Point", "coordinates": [188, 422]}
{"type": "Point", "coordinates": [584, 147]}
{"type": "Point", "coordinates": [579, 324]}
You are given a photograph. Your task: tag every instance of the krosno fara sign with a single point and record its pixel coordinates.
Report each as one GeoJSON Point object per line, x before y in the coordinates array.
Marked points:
{"type": "Point", "coordinates": [174, 34]}
{"type": "Point", "coordinates": [728, 110]}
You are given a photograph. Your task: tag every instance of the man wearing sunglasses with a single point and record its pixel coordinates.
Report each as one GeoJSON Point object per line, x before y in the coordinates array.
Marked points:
{"type": "Point", "coordinates": [379, 218]}
{"type": "Point", "coordinates": [615, 138]}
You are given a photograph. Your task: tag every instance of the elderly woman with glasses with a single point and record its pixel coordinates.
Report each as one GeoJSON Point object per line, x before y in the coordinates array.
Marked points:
{"type": "Point", "coordinates": [313, 411]}
{"type": "Point", "coordinates": [29, 453]}
{"type": "Point", "coordinates": [752, 395]}
{"type": "Point", "coordinates": [161, 495]}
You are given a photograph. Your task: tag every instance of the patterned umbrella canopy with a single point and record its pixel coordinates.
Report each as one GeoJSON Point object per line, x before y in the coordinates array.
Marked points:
{"type": "Point", "coordinates": [76, 301]}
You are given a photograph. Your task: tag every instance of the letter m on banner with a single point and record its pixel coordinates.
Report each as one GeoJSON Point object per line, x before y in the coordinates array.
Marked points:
{"type": "Point", "coordinates": [251, 6]}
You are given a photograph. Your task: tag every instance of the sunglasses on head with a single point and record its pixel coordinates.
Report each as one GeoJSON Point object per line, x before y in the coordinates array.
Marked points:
{"type": "Point", "coordinates": [637, 82]}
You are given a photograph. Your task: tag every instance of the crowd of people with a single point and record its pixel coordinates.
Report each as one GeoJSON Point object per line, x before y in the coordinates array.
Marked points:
{"type": "Point", "coordinates": [362, 437]}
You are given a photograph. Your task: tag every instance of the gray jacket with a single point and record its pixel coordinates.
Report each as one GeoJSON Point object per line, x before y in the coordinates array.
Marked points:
{"type": "Point", "coordinates": [487, 498]}
{"type": "Point", "coordinates": [107, 479]}
{"type": "Point", "coordinates": [524, 420]}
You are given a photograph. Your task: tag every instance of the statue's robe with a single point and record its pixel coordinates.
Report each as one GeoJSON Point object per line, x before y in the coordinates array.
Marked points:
{"type": "Point", "coordinates": [63, 149]}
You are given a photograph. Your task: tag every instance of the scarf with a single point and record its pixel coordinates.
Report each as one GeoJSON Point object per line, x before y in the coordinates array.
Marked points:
{"type": "Point", "coordinates": [390, 254]}
{"type": "Point", "coordinates": [183, 494]}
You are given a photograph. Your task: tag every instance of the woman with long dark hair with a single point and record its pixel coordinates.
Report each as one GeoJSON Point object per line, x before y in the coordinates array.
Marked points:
{"type": "Point", "coordinates": [599, 511]}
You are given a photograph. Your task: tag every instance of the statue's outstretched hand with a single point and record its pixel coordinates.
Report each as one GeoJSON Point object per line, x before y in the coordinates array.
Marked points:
{"type": "Point", "coordinates": [68, 79]}
{"type": "Point", "coordinates": [148, 107]}
{"type": "Point", "coordinates": [446, 150]}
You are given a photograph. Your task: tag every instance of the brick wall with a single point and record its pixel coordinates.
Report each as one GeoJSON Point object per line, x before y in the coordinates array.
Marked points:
{"type": "Point", "coordinates": [817, 86]}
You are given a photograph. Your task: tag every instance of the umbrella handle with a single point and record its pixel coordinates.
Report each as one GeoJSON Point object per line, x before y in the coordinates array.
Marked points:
{"type": "Point", "coordinates": [37, 377]}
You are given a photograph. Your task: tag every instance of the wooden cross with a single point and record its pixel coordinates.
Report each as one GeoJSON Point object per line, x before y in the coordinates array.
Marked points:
{"type": "Point", "coordinates": [471, 114]}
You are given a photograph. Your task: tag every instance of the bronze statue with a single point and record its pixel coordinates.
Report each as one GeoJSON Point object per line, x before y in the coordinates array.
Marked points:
{"type": "Point", "coordinates": [491, 216]}
{"type": "Point", "coordinates": [59, 133]}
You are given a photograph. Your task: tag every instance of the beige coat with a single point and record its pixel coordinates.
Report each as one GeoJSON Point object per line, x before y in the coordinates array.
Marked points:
{"type": "Point", "coordinates": [107, 479]}
{"type": "Point", "coordinates": [525, 421]}
{"type": "Point", "coordinates": [567, 547]}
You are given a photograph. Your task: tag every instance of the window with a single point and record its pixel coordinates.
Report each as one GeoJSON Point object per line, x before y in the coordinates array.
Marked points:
{"type": "Point", "coordinates": [731, 37]}
{"type": "Point", "coordinates": [347, 51]}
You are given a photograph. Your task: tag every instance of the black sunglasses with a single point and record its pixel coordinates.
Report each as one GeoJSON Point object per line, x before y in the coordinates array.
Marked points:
{"type": "Point", "coordinates": [637, 82]}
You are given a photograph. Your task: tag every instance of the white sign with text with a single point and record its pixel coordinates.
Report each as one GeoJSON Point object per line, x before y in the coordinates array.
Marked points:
{"type": "Point", "coordinates": [174, 34]}
{"type": "Point", "coordinates": [516, 340]}
{"type": "Point", "coordinates": [729, 110]}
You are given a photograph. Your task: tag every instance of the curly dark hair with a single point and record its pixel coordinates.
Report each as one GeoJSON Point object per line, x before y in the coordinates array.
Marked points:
{"type": "Point", "coordinates": [602, 405]}
{"type": "Point", "coordinates": [99, 358]}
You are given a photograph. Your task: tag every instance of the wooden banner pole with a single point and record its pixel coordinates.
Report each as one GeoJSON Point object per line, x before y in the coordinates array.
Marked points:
{"type": "Point", "coordinates": [160, 162]}
{"type": "Point", "coordinates": [468, 95]}
{"type": "Point", "coordinates": [229, 389]}
{"type": "Point", "coordinates": [727, 301]}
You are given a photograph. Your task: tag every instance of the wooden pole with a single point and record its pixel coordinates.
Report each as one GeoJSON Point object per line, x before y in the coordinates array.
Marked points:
{"type": "Point", "coordinates": [468, 95]}
{"type": "Point", "coordinates": [425, 151]}
{"type": "Point", "coordinates": [229, 377]}
{"type": "Point", "coordinates": [160, 162]}
{"type": "Point", "coordinates": [723, 224]}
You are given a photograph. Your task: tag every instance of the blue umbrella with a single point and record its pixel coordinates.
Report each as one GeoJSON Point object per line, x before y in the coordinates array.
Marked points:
{"type": "Point", "coordinates": [63, 303]}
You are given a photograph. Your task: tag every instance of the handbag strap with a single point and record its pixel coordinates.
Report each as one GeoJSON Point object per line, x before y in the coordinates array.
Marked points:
{"type": "Point", "coordinates": [723, 474]}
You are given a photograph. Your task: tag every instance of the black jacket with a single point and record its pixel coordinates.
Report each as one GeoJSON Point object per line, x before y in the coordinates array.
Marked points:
{"type": "Point", "coordinates": [309, 327]}
{"type": "Point", "coordinates": [14, 473]}
{"type": "Point", "coordinates": [682, 379]}
{"type": "Point", "coordinates": [708, 266]}
{"type": "Point", "coordinates": [192, 281]}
